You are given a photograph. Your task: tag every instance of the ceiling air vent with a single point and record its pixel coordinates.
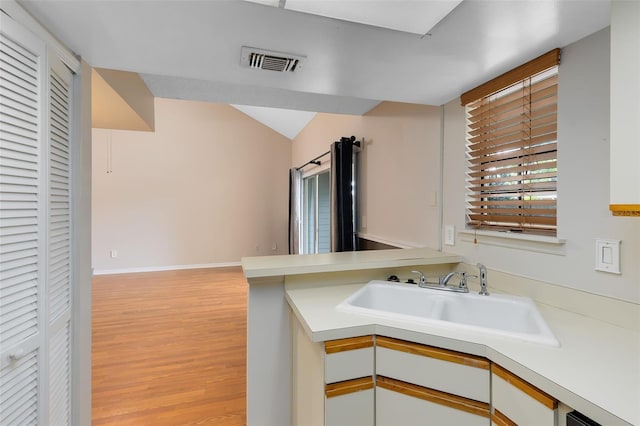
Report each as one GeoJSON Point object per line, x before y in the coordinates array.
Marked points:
{"type": "Point", "coordinates": [252, 57]}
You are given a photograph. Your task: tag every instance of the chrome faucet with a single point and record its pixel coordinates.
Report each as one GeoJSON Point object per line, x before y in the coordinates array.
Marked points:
{"type": "Point", "coordinates": [445, 280]}
{"type": "Point", "coordinates": [483, 279]}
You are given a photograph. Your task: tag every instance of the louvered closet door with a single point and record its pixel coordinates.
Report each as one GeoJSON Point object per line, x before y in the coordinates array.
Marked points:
{"type": "Point", "coordinates": [59, 245]}
{"type": "Point", "coordinates": [22, 224]}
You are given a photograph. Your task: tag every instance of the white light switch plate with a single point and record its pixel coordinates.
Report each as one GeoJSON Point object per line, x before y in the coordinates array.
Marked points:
{"type": "Point", "coordinates": [608, 255]}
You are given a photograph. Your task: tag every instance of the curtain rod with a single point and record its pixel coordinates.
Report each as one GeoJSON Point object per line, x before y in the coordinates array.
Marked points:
{"type": "Point", "coordinates": [315, 160]}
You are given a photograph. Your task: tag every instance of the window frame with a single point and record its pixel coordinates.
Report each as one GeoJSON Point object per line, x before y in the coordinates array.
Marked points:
{"type": "Point", "coordinates": [311, 245]}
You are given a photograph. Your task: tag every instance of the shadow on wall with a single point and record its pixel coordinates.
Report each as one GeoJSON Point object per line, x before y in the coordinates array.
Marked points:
{"type": "Point", "coordinates": [365, 244]}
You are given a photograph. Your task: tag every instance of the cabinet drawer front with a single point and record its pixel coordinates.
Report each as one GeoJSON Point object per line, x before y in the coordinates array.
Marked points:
{"type": "Point", "coordinates": [394, 408]}
{"type": "Point", "coordinates": [452, 377]}
{"type": "Point", "coordinates": [521, 402]}
{"type": "Point", "coordinates": [349, 386]}
{"type": "Point", "coordinates": [352, 409]}
{"type": "Point", "coordinates": [347, 365]}
{"type": "Point", "coordinates": [433, 352]}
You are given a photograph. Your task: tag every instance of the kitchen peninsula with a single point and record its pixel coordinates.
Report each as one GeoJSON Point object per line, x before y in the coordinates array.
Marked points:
{"type": "Point", "coordinates": [601, 378]}
{"type": "Point", "coordinates": [268, 322]}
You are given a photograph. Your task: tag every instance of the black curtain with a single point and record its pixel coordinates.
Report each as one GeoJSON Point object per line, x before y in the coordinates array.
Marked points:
{"type": "Point", "coordinates": [343, 205]}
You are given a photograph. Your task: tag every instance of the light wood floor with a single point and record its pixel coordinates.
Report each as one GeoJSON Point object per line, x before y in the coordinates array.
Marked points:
{"type": "Point", "coordinates": [169, 348]}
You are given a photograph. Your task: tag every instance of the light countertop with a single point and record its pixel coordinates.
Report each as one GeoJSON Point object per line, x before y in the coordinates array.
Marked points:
{"type": "Point", "coordinates": [272, 266]}
{"type": "Point", "coordinates": [596, 370]}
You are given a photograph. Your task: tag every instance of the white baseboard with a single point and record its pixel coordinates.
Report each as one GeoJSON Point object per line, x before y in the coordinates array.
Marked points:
{"type": "Point", "coordinates": [163, 268]}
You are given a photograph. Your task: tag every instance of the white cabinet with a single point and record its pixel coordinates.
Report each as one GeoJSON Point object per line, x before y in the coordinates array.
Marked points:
{"type": "Point", "coordinates": [448, 371]}
{"type": "Point", "coordinates": [400, 403]}
{"type": "Point", "coordinates": [350, 403]}
{"type": "Point", "coordinates": [362, 381]}
{"type": "Point", "coordinates": [419, 384]}
{"type": "Point", "coordinates": [517, 402]}
{"type": "Point", "coordinates": [332, 381]}
{"type": "Point", "coordinates": [347, 359]}
{"type": "Point", "coordinates": [349, 388]}
{"type": "Point", "coordinates": [625, 108]}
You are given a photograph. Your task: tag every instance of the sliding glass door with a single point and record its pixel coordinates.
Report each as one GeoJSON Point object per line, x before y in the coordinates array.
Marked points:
{"type": "Point", "coordinates": [316, 213]}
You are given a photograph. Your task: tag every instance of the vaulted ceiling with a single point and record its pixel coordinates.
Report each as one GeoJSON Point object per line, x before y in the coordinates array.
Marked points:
{"type": "Point", "coordinates": [191, 49]}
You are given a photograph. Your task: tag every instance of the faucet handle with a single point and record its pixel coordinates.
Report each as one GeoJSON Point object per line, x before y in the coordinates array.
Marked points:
{"type": "Point", "coordinates": [423, 279]}
{"type": "Point", "coordinates": [464, 277]}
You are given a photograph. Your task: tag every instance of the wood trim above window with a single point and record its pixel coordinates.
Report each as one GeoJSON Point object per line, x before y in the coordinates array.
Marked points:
{"type": "Point", "coordinates": [534, 66]}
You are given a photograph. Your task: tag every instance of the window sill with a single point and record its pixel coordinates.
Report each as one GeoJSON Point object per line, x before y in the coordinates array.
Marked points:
{"type": "Point", "coordinates": [512, 240]}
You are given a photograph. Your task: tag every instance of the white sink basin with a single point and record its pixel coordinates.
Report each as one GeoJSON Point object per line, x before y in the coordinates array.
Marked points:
{"type": "Point", "coordinates": [393, 300]}
{"type": "Point", "coordinates": [498, 315]}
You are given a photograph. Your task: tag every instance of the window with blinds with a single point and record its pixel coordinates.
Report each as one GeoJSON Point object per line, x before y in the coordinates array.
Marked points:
{"type": "Point", "coordinates": [511, 149]}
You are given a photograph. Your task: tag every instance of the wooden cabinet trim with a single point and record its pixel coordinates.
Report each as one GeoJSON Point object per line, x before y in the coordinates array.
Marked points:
{"type": "Point", "coordinates": [432, 395]}
{"type": "Point", "coordinates": [433, 352]}
{"type": "Point", "coordinates": [540, 396]}
{"type": "Point", "coordinates": [625, 209]}
{"type": "Point", "coordinates": [500, 419]}
{"type": "Point", "coordinates": [348, 386]}
{"type": "Point", "coordinates": [349, 344]}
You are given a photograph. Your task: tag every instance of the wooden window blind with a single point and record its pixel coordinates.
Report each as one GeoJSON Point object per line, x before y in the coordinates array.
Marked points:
{"type": "Point", "coordinates": [511, 149]}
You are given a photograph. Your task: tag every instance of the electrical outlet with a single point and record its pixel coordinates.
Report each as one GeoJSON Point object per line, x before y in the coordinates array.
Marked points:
{"type": "Point", "coordinates": [274, 246]}
{"type": "Point", "coordinates": [450, 235]}
{"type": "Point", "coordinates": [113, 254]}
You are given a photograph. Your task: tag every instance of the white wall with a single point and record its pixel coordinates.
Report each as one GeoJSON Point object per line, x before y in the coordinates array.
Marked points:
{"type": "Point", "coordinates": [401, 174]}
{"type": "Point", "coordinates": [209, 186]}
{"type": "Point", "coordinates": [583, 185]}
{"type": "Point", "coordinates": [400, 168]}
